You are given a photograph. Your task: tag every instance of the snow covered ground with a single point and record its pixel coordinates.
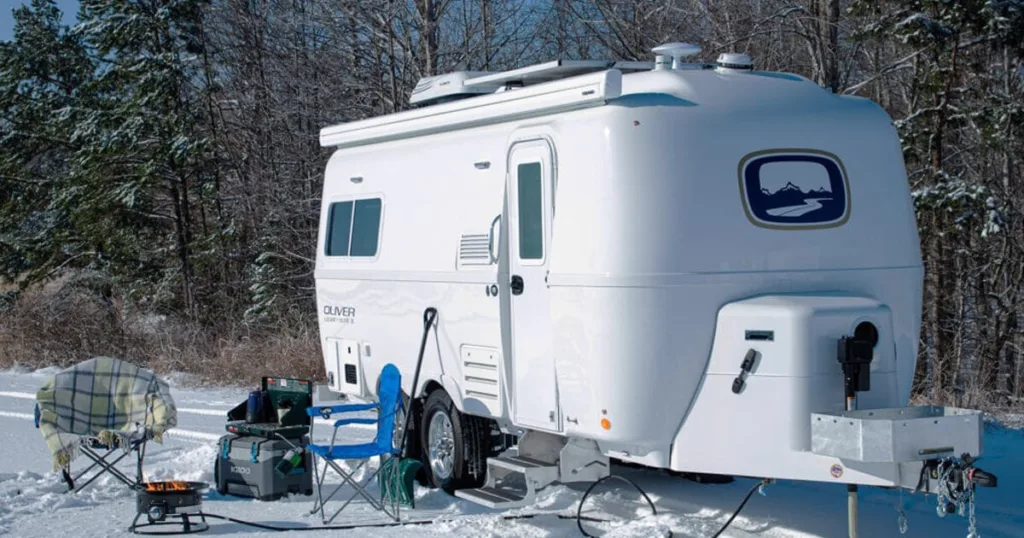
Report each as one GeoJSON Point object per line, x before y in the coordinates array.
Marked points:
{"type": "Point", "coordinates": [33, 502]}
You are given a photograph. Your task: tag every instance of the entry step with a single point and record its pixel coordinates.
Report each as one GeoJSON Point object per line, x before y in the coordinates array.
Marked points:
{"type": "Point", "coordinates": [520, 464]}
{"type": "Point", "coordinates": [495, 497]}
{"type": "Point", "coordinates": [512, 481]}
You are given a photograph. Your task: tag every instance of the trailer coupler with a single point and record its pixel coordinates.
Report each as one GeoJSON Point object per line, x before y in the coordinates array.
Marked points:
{"type": "Point", "coordinates": [953, 480]}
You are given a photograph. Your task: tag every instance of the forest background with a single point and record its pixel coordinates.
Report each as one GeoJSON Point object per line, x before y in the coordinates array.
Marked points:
{"type": "Point", "coordinates": [160, 171]}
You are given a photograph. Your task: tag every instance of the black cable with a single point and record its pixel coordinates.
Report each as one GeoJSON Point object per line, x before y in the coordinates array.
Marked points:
{"type": "Point", "coordinates": [579, 509]}
{"type": "Point", "coordinates": [740, 507]}
{"type": "Point", "coordinates": [429, 316]}
{"type": "Point", "coordinates": [264, 526]}
{"type": "Point", "coordinates": [323, 528]}
{"type": "Point", "coordinates": [578, 517]}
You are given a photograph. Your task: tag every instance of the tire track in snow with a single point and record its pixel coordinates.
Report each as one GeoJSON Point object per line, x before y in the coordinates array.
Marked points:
{"type": "Point", "coordinates": [174, 432]}
{"type": "Point", "coordinates": [189, 410]}
{"type": "Point", "coordinates": [11, 414]}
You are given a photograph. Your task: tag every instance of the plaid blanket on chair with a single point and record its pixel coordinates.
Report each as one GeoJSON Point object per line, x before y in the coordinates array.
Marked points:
{"type": "Point", "coordinates": [102, 398]}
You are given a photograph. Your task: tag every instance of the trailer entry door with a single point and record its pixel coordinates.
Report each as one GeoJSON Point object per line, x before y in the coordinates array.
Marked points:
{"type": "Point", "coordinates": [530, 210]}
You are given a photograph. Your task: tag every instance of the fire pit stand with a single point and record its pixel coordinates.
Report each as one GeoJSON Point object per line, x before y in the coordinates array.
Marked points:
{"type": "Point", "coordinates": [165, 504]}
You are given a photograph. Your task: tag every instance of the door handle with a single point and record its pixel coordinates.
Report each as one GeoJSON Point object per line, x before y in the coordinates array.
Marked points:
{"type": "Point", "coordinates": [516, 284]}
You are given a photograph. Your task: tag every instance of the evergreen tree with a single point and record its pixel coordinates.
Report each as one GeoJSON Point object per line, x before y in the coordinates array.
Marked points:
{"type": "Point", "coordinates": [42, 73]}
{"type": "Point", "coordinates": [144, 150]}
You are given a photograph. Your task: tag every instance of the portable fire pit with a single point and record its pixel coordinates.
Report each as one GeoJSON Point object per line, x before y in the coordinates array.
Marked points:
{"type": "Point", "coordinates": [164, 502]}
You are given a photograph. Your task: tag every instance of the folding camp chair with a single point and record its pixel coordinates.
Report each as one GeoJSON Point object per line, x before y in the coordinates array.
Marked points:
{"type": "Point", "coordinates": [388, 405]}
{"type": "Point", "coordinates": [100, 450]}
{"type": "Point", "coordinates": [105, 409]}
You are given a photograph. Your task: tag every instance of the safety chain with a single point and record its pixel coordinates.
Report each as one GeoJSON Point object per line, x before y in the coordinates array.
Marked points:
{"type": "Point", "coordinates": [901, 519]}
{"type": "Point", "coordinates": [972, 529]}
{"type": "Point", "coordinates": [964, 503]}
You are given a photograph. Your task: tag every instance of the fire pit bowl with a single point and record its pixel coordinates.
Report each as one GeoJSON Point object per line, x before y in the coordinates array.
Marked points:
{"type": "Point", "coordinates": [165, 501]}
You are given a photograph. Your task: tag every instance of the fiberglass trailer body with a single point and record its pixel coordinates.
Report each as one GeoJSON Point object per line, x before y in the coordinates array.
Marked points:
{"type": "Point", "coordinates": [657, 263]}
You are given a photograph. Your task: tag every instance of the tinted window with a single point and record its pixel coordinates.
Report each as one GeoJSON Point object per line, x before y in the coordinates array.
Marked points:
{"type": "Point", "coordinates": [531, 216]}
{"type": "Point", "coordinates": [366, 227]}
{"type": "Point", "coordinates": [339, 227]}
{"type": "Point", "coordinates": [353, 228]}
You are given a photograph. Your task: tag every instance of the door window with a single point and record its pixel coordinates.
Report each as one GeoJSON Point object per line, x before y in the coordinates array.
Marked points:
{"type": "Point", "coordinates": [531, 212]}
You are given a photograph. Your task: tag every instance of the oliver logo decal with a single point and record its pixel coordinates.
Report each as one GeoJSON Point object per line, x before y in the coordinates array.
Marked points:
{"type": "Point", "coordinates": [339, 314]}
{"type": "Point", "coordinates": [836, 470]}
{"type": "Point", "coordinates": [794, 189]}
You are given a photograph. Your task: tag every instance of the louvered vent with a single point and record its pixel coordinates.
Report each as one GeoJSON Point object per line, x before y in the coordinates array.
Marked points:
{"type": "Point", "coordinates": [350, 374]}
{"type": "Point", "coordinates": [474, 250]}
{"type": "Point", "coordinates": [481, 376]}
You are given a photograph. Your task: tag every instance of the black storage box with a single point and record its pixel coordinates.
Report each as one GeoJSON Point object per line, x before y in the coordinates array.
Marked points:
{"type": "Point", "coordinates": [245, 467]}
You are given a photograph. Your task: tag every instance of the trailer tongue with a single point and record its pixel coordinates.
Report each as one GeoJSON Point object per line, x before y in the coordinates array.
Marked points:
{"type": "Point", "coordinates": [937, 440]}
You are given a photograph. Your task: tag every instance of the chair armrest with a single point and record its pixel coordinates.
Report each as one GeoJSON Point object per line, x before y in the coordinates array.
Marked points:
{"type": "Point", "coordinates": [347, 421]}
{"type": "Point", "coordinates": [325, 411]}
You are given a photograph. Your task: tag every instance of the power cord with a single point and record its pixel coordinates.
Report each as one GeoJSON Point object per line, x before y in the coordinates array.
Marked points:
{"type": "Point", "coordinates": [579, 509]}
{"type": "Point", "coordinates": [579, 517]}
{"type": "Point", "coordinates": [750, 493]}
{"type": "Point", "coordinates": [265, 526]}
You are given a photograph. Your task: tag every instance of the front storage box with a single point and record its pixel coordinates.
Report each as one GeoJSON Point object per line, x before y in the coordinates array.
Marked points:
{"type": "Point", "coordinates": [245, 467]}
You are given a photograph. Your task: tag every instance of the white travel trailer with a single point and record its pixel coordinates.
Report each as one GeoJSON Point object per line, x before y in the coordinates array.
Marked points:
{"type": "Point", "coordinates": [662, 263]}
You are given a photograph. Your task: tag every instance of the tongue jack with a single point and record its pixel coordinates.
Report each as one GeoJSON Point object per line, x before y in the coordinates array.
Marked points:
{"type": "Point", "coordinates": [855, 355]}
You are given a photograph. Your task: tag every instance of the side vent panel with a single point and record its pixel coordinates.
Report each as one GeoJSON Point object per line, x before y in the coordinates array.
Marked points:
{"type": "Point", "coordinates": [474, 250]}
{"type": "Point", "coordinates": [481, 382]}
{"type": "Point", "coordinates": [349, 370]}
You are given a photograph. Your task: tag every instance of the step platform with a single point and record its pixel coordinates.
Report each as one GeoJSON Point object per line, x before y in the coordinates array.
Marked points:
{"type": "Point", "coordinates": [512, 482]}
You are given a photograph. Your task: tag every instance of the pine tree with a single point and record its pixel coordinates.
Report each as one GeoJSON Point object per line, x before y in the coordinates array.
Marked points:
{"type": "Point", "coordinates": [143, 144]}
{"type": "Point", "coordinates": [42, 72]}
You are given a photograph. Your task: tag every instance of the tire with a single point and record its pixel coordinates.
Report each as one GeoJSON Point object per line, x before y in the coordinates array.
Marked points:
{"type": "Point", "coordinates": [461, 460]}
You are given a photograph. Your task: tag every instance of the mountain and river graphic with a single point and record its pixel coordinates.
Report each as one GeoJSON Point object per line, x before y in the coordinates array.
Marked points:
{"type": "Point", "coordinates": [792, 201]}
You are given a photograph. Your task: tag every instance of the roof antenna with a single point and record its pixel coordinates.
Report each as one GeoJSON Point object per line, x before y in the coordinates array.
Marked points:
{"type": "Point", "coordinates": [674, 51]}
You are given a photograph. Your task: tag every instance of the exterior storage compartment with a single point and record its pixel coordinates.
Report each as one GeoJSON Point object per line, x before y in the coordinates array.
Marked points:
{"type": "Point", "coordinates": [245, 468]}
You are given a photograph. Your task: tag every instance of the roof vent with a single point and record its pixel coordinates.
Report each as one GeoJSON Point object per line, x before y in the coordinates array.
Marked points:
{"type": "Point", "coordinates": [734, 60]}
{"type": "Point", "coordinates": [448, 87]}
{"type": "Point", "coordinates": [674, 52]}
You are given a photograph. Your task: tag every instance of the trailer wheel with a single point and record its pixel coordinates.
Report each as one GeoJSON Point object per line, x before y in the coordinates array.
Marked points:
{"type": "Point", "coordinates": [455, 446]}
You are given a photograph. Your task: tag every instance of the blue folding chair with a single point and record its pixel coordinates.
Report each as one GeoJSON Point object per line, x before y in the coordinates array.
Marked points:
{"type": "Point", "coordinates": [388, 405]}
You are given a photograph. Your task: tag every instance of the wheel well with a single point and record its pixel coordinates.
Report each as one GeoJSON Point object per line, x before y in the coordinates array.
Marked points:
{"type": "Point", "coordinates": [429, 387]}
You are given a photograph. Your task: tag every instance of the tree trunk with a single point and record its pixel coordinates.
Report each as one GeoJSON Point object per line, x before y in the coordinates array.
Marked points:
{"type": "Point", "coordinates": [830, 40]}
{"type": "Point", "coordinates": [181, 236]}
{"type": "Point", "coordinates": [937, 313]}
{"type": "Point", "coordinates": [429, 29]}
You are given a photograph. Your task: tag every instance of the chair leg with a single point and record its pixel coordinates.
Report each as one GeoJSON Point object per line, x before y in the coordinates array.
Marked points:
{"type": "Point", "coordinates": [102, 462]}
{"type": "Point", "coordinates": [321, 500]}
{"type": "Point", "coordinates": [319, 495]}
{"type": "Point", "coordinates": [359, 487]}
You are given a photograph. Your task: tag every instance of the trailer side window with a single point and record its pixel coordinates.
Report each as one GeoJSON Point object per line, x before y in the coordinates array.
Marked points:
{"type": "Point", "coordinates": [531, 212]}
{"type": "Point", "coordinates": [353, 228]}
{"type": "Point", "coordinates": [339, 228]}
{"type": "Point", "coordinates": [365, 227]}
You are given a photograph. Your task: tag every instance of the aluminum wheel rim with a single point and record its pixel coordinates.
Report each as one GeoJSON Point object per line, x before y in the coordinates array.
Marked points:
{"type": "Point", "coordinates": [441, 445]}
